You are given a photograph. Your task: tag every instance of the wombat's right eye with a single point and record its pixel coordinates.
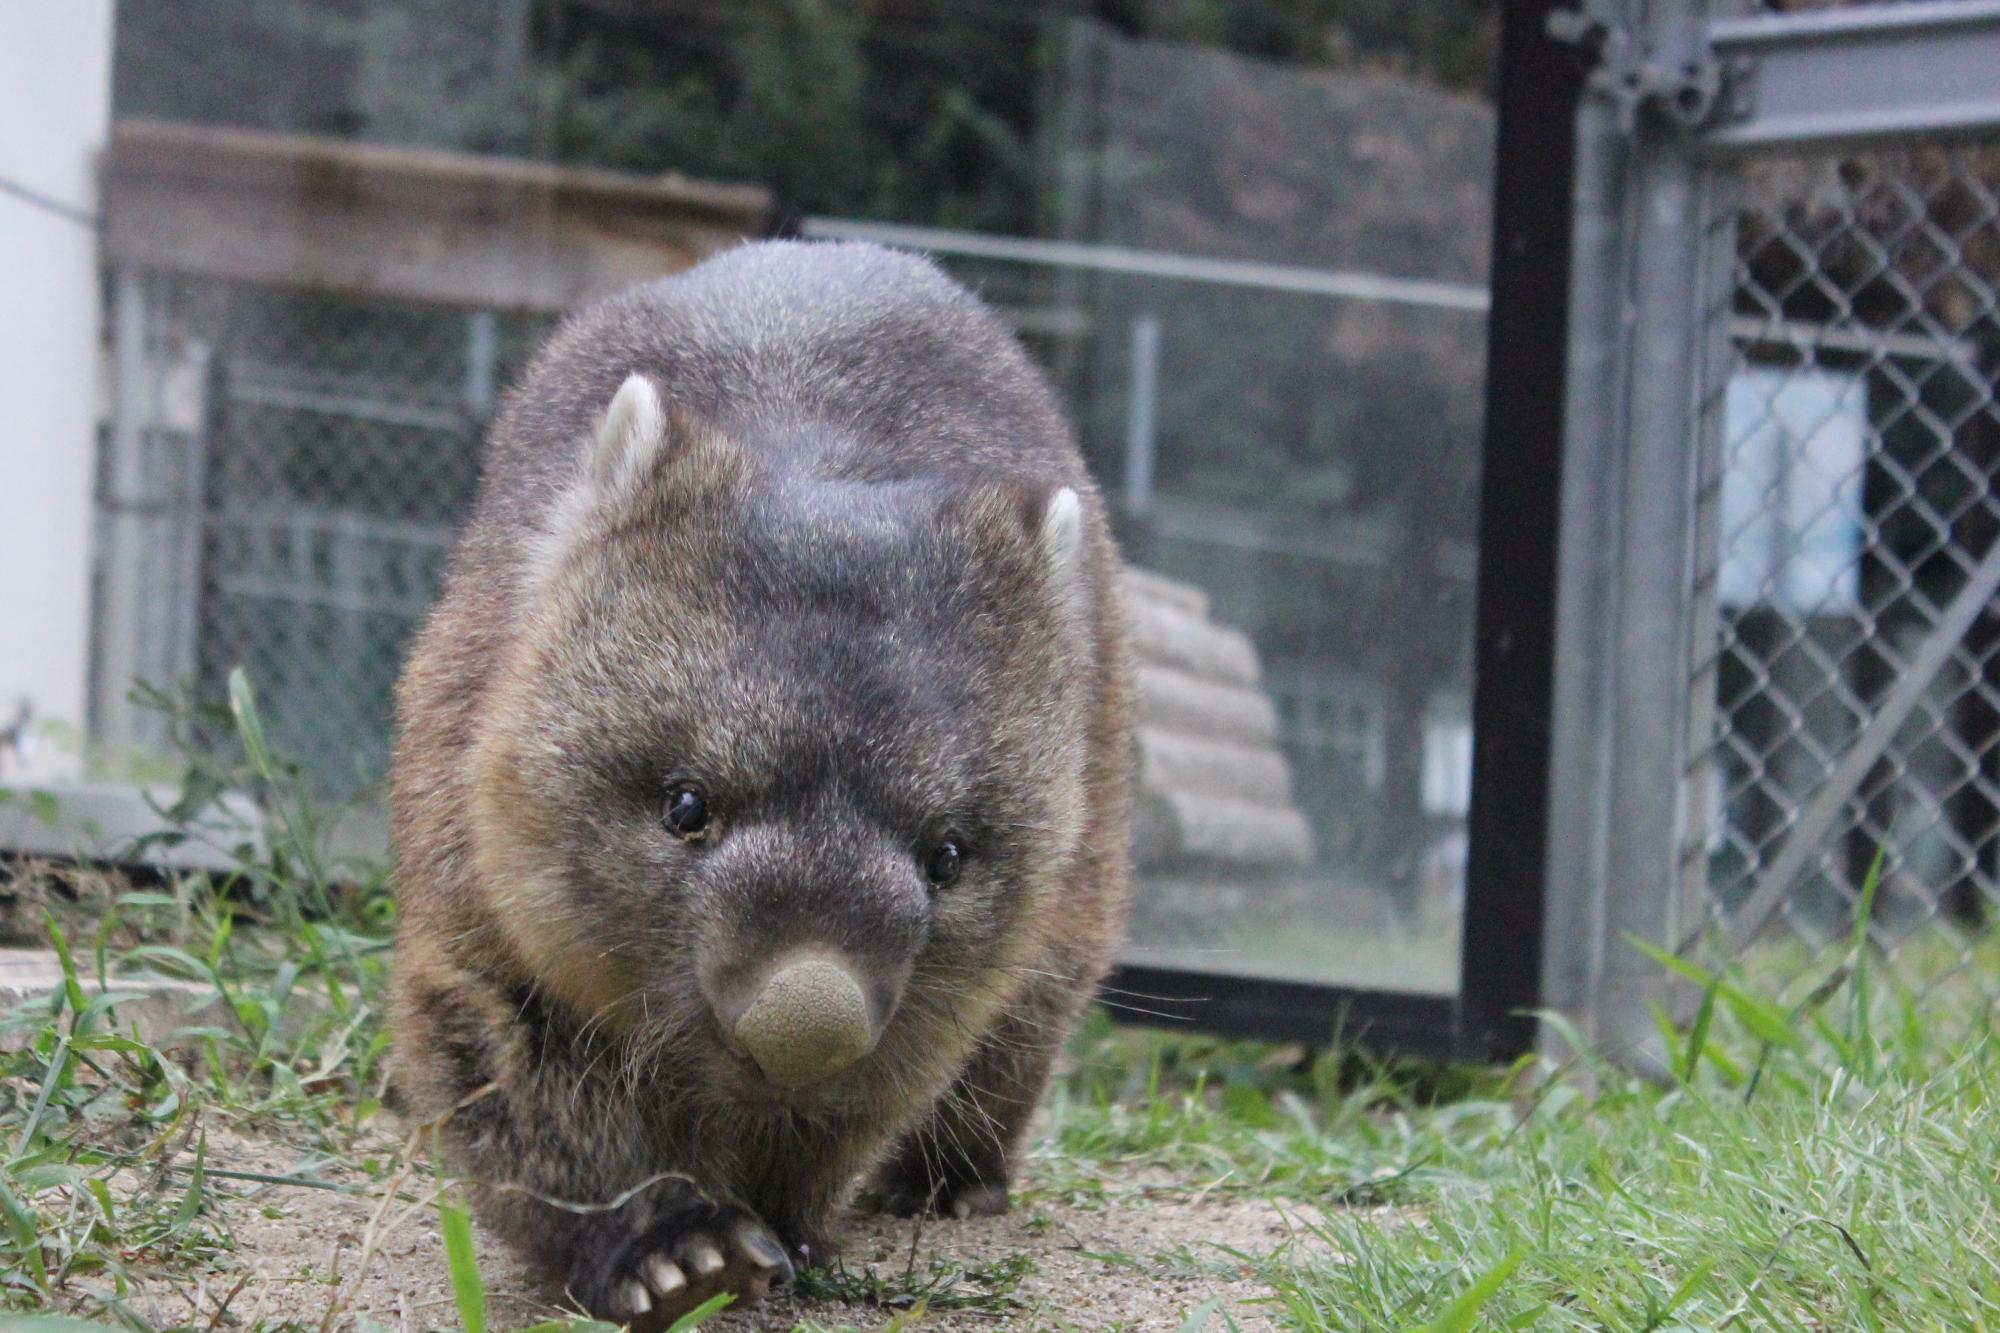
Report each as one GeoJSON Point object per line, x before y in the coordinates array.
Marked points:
{"type": "Point", "coordinates": [943, 863]}
{"type": "Point", "coordinates": [686, 813]}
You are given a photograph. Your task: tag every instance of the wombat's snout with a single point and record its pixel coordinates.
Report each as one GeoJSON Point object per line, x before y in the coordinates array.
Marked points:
{"type": "Point", "coordinates": [807, 1022]}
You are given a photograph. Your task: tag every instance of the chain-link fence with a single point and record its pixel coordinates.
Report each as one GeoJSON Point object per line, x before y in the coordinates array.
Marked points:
{"type": "Point", "coordinates": [285, 477]}
{"type": "Point", "coordinates": [1846, 545]}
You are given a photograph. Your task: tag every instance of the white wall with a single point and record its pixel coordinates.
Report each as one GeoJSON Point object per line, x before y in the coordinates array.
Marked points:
{"type": "Point", "coordinates": [55, 108]}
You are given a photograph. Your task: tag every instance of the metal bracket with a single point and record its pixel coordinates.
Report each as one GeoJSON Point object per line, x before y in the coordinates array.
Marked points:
{"type": "Point", "coordinates": [1819, 77]}
{"type": "Point", "coordinates": [1851, 74]}
{"type": "Point", "coordinates": [1686, 89]}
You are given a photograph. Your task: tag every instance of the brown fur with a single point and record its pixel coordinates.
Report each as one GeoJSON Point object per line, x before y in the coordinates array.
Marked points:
{"type": "Point", "coordinates": [825, 599]}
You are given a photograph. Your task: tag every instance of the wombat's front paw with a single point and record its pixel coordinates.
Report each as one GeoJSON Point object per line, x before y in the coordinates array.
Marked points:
{"type": "Point", "coordinates": [683, 1258]}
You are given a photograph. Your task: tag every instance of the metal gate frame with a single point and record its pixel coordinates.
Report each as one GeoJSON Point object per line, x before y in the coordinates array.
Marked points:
{"type": "Point", "coordinates": [1491, 1017]}
{"type": "Point", "coordinates": [1587, 808]}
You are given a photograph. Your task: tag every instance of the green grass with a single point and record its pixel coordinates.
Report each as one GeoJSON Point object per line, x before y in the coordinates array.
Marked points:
{"type": "Point", "coordinates": [925, 1282]}
{"type": "Point", "coordinates": [1831, 1162]}
{"type": "Point", "coordinates": [105, 1180]}
{"type": "Point", "coordinates": [1825, 1153]}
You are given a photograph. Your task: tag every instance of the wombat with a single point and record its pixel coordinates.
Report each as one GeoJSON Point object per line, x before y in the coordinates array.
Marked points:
{"type": "Point", "coordinates": [761, 791]}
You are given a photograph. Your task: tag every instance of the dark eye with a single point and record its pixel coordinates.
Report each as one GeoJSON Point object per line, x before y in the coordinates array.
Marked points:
{"type": "Point", "coordinates": [686, 813]}
{"type": "Point", "coordinates": [946, 859]}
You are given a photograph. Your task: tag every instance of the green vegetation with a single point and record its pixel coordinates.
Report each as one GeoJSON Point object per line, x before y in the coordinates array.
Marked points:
{"type": "Point", "coordinates": [1826, 1161]}
{"type": "Point", "coordinates": [105, 1133]}
{"type": "Point", "coordinates": [1830, 1164]}
{"type": "Point", "coordinates": [918, 110]}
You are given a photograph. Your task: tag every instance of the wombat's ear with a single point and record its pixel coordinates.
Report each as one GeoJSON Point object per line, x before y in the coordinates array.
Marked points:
{"type": "Point", "coordinates": [1060, 536]}
{"type": "Point", "coordinates": [634, 434]}
{"type": "Point", "coordinates": [1056, 520]}
{"type": "Point", "coordinates": [631, 437]}
{"type": "Point", "coordinates": [1015, 521]}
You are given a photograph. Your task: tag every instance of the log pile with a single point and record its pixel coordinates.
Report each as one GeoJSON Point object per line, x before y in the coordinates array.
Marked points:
{"type": "Point", "coordinates": [1214, 790]}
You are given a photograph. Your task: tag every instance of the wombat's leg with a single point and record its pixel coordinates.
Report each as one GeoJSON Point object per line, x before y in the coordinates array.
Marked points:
{"type": "Point", "coordinates": [958, 1161]}
{"type": "Point", "coordinates": [646, 1262]}
{"type": "Point", "coordinates": [542, 1161]}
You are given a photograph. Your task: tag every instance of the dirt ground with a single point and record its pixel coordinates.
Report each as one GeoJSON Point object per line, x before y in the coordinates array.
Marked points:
{"type": "Point", "coordinates": [1141, 1260]}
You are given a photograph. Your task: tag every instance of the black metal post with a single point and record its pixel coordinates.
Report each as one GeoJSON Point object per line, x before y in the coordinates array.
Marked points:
{"type": "Point", "coordinates": [1521, 469]}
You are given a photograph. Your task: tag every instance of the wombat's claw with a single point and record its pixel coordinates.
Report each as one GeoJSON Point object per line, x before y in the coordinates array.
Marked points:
{"type": "Point", "coordinates": [903, 1199]}
{"type": "Point", "coordinates": [631, 1300]}
{"type": "Point", "coordinates": [663, 1277]}
{"type": "Point", "coordinates": [980, 1201]}
{"type": "Point", "coordinates": [737, 1254]}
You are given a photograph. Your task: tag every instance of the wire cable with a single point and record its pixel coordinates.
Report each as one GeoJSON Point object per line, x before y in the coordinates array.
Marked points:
{"type": "Point", "coordinates": [82, 217]}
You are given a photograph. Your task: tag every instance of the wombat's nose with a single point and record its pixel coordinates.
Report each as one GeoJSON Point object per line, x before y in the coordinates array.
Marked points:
{"type": "Point", "coordinates": [809, 1022]}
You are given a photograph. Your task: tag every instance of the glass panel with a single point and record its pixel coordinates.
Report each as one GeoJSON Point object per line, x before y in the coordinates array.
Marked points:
{"type": "Point", "coordinates": [1247, 240]}
{"type": "Point", "coordinates": [1302, 450]}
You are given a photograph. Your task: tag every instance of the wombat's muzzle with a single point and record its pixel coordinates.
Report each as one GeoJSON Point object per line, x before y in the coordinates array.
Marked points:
{"type": "Point", "coordinates": [809, 1020]}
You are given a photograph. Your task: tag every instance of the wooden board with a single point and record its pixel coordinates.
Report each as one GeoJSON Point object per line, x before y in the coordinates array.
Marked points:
{"type": "Point", "coordinates": [381, 221]}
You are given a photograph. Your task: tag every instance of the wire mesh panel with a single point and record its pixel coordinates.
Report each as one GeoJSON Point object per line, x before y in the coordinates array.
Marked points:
{"type": "Point", "coordinates": [323, 450]}
{"type": "Point", "coordinates": [1854, 564]}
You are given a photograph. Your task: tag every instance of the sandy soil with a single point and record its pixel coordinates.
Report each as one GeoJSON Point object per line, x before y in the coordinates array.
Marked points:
{"type": "Point", "coordinates": [1124, 1265]}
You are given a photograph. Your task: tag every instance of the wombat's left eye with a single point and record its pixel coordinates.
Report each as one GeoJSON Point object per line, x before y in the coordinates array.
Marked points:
{"type": "Point", "coordinates": [946, 859]}
{"type": "Point", "coordinates": [686, 813]}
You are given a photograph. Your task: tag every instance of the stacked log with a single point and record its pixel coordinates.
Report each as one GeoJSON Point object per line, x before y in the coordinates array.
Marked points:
{"type": "Point", "coordinates": [1214, 819]}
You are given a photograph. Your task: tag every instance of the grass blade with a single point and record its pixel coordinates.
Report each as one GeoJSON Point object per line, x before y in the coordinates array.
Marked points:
{"type": "Point", "coordinates": [197, 1189]}
{"type": "Point", "coordinates": [51, 1080]}
{"type": "Point", "coordinates": [1688, 1286]}
{"type": "Point", "coordinates": [249, 726]}
{"type": "Point", "coordinates": [1761, 1018]}
{"type": "Point", "coordinates": [1858, 1036]}
{"type": "Point", "coordinates": [466, 1288]}
{"type": "Point", "coordinates": [1460, 1314]}
{"type": "Point", "coordinates": [26, 1240]}
{"type": "Point", "coordinates": [1198, 1317]}
{"type": "Point", "coordinates": [1697, 1038]}
{"type": "Point", "coordinates": [698, 1316]}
